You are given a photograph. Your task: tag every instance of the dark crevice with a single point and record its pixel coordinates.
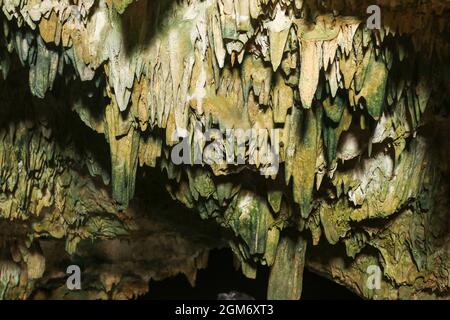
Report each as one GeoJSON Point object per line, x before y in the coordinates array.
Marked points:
{"type": "Point", "coordinates": [221, 277]}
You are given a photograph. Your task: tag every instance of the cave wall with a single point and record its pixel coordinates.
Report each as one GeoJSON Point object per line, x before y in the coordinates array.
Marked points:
{"type": "Point", "coordinates": [96, 92]}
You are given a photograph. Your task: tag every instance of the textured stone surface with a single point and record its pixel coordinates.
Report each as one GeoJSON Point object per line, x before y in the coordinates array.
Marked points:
{"type": "Point", "coordinates": [362, 114]}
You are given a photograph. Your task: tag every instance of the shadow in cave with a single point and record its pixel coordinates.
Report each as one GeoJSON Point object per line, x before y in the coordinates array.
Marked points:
{"type": "Point", "coordinates": [221, 277]}
{"type": "Point", "coordinates": [141, 20]}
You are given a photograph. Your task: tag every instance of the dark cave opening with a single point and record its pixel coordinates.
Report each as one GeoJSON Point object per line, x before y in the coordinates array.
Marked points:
{"type": "Point", "coordinates": [221, 277]}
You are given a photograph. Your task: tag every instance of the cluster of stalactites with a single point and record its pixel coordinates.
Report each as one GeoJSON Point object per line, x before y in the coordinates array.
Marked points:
{"type": "Point", "coordinates": [338, 92]}
{"type": "Point", "coordinates": [239, 64]}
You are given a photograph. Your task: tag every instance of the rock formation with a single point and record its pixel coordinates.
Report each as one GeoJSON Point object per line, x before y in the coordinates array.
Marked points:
{"type": "Point", "coordinates": [95, 94]}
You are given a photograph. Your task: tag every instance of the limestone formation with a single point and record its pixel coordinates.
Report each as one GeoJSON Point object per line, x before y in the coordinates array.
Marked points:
{"type": "Point", "coordinates": [94, 94]}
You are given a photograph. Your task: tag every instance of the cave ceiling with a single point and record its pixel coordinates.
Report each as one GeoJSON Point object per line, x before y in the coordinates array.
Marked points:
{"type": "Point", "coordinates": [349, 169]}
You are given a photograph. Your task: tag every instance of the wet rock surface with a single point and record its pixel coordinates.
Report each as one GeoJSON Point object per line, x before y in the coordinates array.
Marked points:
{"type": "Point", "coordinates": [95, 92]}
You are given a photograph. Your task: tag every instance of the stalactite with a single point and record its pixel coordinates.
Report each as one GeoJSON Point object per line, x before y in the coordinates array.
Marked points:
{"type": "Point", "coordinates": [361, 116]}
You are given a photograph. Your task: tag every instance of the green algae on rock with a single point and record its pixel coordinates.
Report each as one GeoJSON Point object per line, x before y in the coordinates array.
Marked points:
{"type": "Point", "coordinates": [93, 93]}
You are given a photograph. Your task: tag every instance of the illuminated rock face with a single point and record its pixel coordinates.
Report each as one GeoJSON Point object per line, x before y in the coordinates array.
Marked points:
{"type": "Point", "coordinates": [361, 119]}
